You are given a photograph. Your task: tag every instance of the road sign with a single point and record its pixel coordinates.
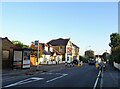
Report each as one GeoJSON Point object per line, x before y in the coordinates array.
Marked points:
{"type": "Point", "coordinates": [36, 43]}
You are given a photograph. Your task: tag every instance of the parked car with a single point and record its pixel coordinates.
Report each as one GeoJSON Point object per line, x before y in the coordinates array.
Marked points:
{"type": "Point", "coordinates": [75, 62]}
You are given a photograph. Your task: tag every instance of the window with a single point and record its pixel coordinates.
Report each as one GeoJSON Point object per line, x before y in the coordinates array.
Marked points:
{"type": "Point", "coordinates": [60, 49]}
{"type": "Point", "coordinates": [17, 55]}
{"type": "Point", "coordinates": [5, 54]}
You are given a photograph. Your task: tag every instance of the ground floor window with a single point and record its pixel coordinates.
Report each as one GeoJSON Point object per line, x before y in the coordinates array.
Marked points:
{"type": "Point", "coordinates": [5, 54]}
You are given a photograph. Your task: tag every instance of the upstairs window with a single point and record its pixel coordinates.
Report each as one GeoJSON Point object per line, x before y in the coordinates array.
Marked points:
{"type": "Point", "coordinates": [60, 49]}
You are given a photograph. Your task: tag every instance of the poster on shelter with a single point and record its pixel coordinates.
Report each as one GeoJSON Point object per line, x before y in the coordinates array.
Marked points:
{"type": "Point", "coordinates": [26, 59]}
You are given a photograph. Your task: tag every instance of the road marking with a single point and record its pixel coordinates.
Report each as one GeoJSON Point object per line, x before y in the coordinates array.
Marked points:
{"type": "Point", "coordinates": [101, 82]}
{"type": "Point", "coordinates": [33, 79]}
{"type": "Point", "coordinates": [47, 73]}
{"type": "Point", "coordinates": [58, 73]}
{"type": "Point", "coordinates": [52, 73]}
{"type": "Point", "coordinates": [57, 78]}
{"type": "Point", "coordinates": [97, 80]}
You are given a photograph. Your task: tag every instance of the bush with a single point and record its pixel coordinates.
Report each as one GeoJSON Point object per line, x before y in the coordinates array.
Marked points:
{"type": "Point", "coordinates": [84, 59]}
{"type": "Point", "coordinates": [116, 54]}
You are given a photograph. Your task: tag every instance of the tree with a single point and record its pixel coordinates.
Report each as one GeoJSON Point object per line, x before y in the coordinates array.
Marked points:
{"type": "Point", "coordinates": [105, 56]}
{"type": "Point", "coordinates": [20, 44]}
{"type": "Point", "coordinates": [115, 47]}
{"type": "Point", "coordinates": [115, 40]}
{"type": "Point", "coordinates": [116, 54]}
{"type": "Point", "coordinates": [82, 58]}
{"type": "Point", "coordinates": [89, 54]}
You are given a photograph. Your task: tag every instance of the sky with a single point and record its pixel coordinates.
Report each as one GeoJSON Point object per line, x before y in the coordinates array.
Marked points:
{"type": "Point", "coordinates": [87, 24]}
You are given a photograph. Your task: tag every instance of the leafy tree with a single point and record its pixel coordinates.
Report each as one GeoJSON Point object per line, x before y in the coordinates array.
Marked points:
{"type": "Point", "coordinates": [115, 40]}
{"type": "Point", "coordinates": [105, 56]}
{"type": "Point", "coordinates": [115, 47]}
{"type": "Point", "coordinates": [82, 58]}
{"type": "Point", "coordinates": [116, 54]}
{"type": "Point", "coordinates": [20, 44]}
{"type": "Point", "coordinates": [89, 54]}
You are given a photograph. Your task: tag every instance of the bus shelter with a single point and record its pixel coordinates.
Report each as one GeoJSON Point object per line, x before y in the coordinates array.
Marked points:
{"type": "Point", "coordinates": [21, 58]}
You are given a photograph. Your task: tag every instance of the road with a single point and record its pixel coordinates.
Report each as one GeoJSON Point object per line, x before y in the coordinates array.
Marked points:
{"type": "Point", "coordinates": [84, 76]}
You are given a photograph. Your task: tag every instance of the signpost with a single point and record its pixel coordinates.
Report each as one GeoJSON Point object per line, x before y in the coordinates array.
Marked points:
{"type": "Point", "coordinates": [37, 45]}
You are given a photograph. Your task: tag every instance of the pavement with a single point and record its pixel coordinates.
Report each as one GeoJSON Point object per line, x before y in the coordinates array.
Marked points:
{"type": "Point", "coordinates": [32, 70]}
{"type": "Point", "coordinates": [111, 77]}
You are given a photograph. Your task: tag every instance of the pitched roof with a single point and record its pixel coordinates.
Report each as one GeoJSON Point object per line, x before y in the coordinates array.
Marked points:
{"type": "Point", "coordinates": [53, 49]}
{"type": "Point", "coordinates": [75, 45]}
{"type": "Point", "coordinates": [10, 44]}
{"type": "Point", "coordinates": [3, 39]}
{"type": "Point", "coordinates": [58, 42]}
{"type": "Point", "coordinates": [46, 53]}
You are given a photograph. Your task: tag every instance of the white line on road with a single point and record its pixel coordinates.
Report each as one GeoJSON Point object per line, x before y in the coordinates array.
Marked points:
{"type": "Point", "coordinates": [97, 80]}
{"type": "Point", "coordinates": [47, 73]}
{"type": "Point", "coordinates": [101, 82]}
{"type": "Point", "coordinates": [57, 78]}
{"type": "Point", "coordinates": [52, 73]}
{"type": "Point", "coordinates": [33, 79]}
{"type": "Point", "coordinates": [58, 73]}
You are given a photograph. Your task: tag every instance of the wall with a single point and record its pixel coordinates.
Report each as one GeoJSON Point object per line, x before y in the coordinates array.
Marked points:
{"type": "Point", "coordinates": [69, 44]}
{"type": "Point", "coordinates": [75, 52]}
{"type": "Point", "coordinates": [7, 46]}
{"type": "Point", "coordinates": [46, 48]}
{"type": "Point", "coordinates": [117, 65]}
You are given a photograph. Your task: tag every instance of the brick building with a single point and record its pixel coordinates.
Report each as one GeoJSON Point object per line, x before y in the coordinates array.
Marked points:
{"type": "Point", "coordinates": [7, 53]}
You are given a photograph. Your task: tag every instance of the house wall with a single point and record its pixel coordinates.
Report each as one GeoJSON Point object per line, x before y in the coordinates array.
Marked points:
{"type": "Point", "coordinates": [51, 49]}
{"type": "Point", "coordinates": [46, 48]}
{"type": "Point", "coordinates": [116, 65]}
{"type": "Point", "coordinates": [69, 45]}
{"type": "Point", "coordinates": [45, 59]}
{"type": "Point", "coordinates": [8, 47]}
{"type": "Point", "coordinates": [75, 52]}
